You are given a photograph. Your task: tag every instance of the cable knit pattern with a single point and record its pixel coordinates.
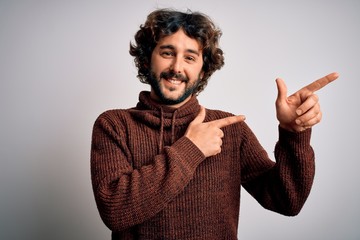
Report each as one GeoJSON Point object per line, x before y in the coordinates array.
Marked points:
{"type": "Point", "coordinates": [151, 182]}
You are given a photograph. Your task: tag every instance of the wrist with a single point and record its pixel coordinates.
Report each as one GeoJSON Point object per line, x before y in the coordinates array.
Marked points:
{"type": "Point", "coordinates": [289, 127]}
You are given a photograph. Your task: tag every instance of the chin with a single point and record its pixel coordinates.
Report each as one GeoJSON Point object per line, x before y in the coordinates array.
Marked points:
{"type": "Point", "coordinates": [171, 99]}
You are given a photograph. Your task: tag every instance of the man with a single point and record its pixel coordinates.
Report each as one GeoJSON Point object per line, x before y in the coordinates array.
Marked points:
{"type": "Point", "coordinates": [171, 169]}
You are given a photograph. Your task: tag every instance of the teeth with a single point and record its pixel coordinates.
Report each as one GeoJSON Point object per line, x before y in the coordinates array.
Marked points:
{"type": "Point", "coordinates": [176, 82]}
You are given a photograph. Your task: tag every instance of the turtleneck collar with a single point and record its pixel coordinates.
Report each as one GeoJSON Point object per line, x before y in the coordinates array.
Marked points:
{"type": "Point", "coordinates": [152, 112]}
{"type": "Point", "coordinates": [156, 115]}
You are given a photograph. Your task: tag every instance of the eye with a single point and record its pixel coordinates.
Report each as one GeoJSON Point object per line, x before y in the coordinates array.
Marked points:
{"type": "Point", "coordinates": [190, 58]}
{"type": "Point", "coordinates": [167, 54]}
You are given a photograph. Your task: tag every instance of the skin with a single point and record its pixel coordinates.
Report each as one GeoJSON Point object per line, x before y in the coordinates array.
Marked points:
{"type": "Point", "coordinates": [183, 55]}
{"type": "Point", "coordinates": [300, 110]}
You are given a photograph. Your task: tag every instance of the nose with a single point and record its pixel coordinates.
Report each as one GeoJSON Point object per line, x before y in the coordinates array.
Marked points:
{"type": "Point", "coordinates": [177, 65]}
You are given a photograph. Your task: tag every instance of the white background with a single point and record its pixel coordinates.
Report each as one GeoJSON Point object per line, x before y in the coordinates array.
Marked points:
{"type": "Point", "coordinates": [62, 63]}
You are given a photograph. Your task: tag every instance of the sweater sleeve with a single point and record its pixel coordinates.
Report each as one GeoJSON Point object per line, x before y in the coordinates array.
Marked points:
{"type": "Point", "coordinates": [126, 196]}
{"type": "Point", "coordinates": [285, 186]}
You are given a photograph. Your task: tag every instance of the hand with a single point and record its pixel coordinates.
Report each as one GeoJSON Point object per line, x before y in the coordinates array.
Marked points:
{"type": "Point", "coordinates": [208, 136]}
{"type": "Point", "coordinates": [301, 110]}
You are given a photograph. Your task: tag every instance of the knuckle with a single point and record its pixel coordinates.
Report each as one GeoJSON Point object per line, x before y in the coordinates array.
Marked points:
{"type": "Point", "coordinates": [319, 117]}
{"type": "Point", "coordinates": [218, 151]}
{"type": "Point", "coordinates": [221, 133]}
{"type": "Point", "coordinates": [315, 97]}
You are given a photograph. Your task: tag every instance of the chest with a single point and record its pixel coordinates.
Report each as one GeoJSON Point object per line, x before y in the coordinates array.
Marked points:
{"type": "Point", "coordinates": [145, 143]}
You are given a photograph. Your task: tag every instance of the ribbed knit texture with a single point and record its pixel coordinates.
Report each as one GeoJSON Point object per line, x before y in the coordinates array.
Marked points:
{"type": "Point", "coordinates": [151, 182]}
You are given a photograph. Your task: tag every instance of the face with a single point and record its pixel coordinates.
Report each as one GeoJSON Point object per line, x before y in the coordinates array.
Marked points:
{"type": "Point", "coordinates": [176, 69]}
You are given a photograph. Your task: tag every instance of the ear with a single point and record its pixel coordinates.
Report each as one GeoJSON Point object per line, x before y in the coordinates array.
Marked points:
{"type": "Point", "coordinates": [146, 65]}
{"type": "Point", "coordinates": [201, 75]}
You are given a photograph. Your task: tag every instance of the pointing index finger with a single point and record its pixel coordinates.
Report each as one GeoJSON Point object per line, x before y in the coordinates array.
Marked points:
{"type": "Point", "coordinates": [223, 122]}
{"type": "Point", "coordinates": [322, 82]}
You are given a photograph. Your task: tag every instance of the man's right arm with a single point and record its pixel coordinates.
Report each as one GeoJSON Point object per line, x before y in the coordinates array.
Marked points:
{"type": "Point", "coordinates": [126, 196]}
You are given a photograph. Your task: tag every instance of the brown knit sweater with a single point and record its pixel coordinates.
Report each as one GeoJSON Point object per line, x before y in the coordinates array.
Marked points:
{"type": "Point", "coordinates": [151, 182]}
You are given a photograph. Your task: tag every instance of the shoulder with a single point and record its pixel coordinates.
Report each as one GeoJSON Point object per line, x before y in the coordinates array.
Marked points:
{"type": "Point", "coordinates": [212, 114]}
{"type": "Point", "coordinates": [112, 116]}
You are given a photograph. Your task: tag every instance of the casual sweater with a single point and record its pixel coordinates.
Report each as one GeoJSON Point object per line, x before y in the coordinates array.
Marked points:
{"type": "Point", "coordinates": [152, 182]}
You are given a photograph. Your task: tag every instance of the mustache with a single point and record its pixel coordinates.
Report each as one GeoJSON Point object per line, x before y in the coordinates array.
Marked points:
{"type": "Point", "coordinates": [173, 74]}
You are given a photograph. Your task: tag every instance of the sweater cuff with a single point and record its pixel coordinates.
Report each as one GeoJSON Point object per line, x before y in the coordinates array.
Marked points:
{"type": "Point", "coordinates": [188, 151]}
{"type": "Point", "coordinates": [295, 138]}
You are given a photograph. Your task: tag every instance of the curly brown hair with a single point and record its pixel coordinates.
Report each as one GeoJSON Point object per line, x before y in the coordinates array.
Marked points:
{"type": "Point", "coordinates": [164, 22]}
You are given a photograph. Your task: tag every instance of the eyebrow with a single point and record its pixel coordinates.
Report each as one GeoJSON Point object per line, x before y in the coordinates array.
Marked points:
{"type": "Point", "coordinates": [169, 46]}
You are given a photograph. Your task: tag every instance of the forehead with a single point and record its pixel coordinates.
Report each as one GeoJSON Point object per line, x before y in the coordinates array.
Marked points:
{"type": "Point", "coordinates": [180, 42]}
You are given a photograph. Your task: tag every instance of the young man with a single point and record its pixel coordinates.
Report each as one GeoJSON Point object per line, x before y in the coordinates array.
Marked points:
{"type": "Point", "coordinates": [171, 169]}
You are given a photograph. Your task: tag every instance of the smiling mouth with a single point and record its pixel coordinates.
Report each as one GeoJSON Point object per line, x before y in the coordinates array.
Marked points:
{"type": "Point", "coordinates": [174, 81]}
{"type": "Point", "coordinates": [174, 78]}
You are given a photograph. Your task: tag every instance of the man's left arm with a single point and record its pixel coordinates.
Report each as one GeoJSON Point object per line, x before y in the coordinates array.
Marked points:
{"type": "Point", "coordinates": [285, 187]}
{"type": "Point", "coordinates": [286, 184]}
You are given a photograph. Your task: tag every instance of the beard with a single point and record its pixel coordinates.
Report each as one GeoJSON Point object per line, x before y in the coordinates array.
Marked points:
{"type": "Point", "coordinates": [188, 91]}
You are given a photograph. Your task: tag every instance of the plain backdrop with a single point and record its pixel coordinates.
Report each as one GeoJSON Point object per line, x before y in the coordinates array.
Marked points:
{"type": "Point", "coordinates": [62, 63]}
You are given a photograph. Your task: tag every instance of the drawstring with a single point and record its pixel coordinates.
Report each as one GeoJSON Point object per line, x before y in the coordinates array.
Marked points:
{"type": "Point", "coordinates": [161, 137]}
{"type": "Point", "coordinates": [173, 127]}
{"type": "Point", "coordinates": [161, 131]}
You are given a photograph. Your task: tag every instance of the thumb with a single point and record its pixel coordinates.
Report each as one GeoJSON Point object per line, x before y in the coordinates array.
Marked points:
{"type": "Point", "coordinates": [282, 89]}
{"type": "Point", "coordinates": [200, 117]}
